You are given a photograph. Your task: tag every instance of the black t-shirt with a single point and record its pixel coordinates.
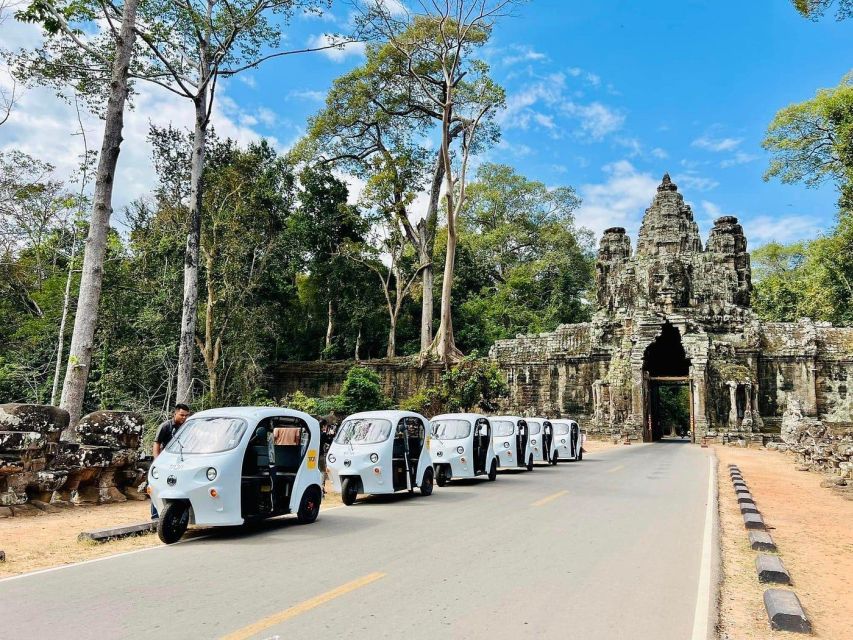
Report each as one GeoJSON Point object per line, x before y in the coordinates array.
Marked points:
{"type": "Point", "coordinates": [165, 433]}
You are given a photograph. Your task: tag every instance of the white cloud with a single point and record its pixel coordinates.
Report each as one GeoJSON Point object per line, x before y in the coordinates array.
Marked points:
{"type": "Point", "coordinates": [308, 94]}
{"type": "Point", "coordinates": [596, 120]}
{"type": "Point", "coordinates": [741, 157]}
{"type": "Point", "coordinates": [716, 144]}
{"type": "Point", "coordinates": [339, 53]}
{"type": "Point", "coordinates": [522, 54]}
{"type": "Point", "coordinates": [693, 181]}
{"type": "Point", "coordinates": [765, 228]}
{"type": "Point", "coordinates": [659, 153]}
{"type": "Point", "coordinates": [248, 80]}
{"type": "Point", "coordinates": [619, 201]}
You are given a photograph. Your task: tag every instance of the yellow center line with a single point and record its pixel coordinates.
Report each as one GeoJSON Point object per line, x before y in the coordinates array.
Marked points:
{"type": "Point", "coordinates": [615, 469]}
{"type": "Point", "coordinates": [548, 499]}
{"type": "Point", "coordinates": [302, 607]}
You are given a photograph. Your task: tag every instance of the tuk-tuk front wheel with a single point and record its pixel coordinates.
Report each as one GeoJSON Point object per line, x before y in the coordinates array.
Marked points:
{"type": "Point", "coordinates": [426, 483]}
{"type": "Point", "coordinates": [173, 522]}
{"type": "Point", "coordinates": [580, 454]}
{"type": "Point", "coordinates": [441, 478]}
{"type": "Point", "coordinates": [309, 506]}
{"type": "Point", "coordinates": [530, 463]}
{"type": "Point", "coordinates": [555, 458]}
{"type": "Point", "coordinates": [349, 490]}
{"type": "Point", "coordinates": [493, 471]}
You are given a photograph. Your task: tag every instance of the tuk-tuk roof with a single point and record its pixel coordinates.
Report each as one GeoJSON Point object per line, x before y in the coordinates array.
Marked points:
{"type": "Point", "coordinates": [538, 419]}
{"type": "Point", "coordinates": [513, 418]}
{"type": "Point", "coordinates": [569, 420]}
{"type": "Point", "coordinates": [391, 415]}
{"type": "Point", "coordinates": [473, 417]}
{"type": "Point", "coordinates": [256, 413]}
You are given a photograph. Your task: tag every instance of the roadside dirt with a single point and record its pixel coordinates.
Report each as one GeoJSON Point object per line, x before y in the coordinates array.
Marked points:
{"type": "Point", "coordinates": [813, 530]}
{"type": "Point", "coordinates": [50, 540]}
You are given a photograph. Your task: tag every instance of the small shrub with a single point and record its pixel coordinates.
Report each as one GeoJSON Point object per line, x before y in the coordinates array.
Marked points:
{"type": "Point", "coordinates": [362, 391]}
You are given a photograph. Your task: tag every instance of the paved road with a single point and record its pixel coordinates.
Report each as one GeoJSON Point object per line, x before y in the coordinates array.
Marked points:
{"type": "Point", "coordinates": [609, 547]}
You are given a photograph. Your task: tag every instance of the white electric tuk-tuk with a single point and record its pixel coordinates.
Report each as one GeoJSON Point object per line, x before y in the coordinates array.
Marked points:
{"type": "Point", "coordinates": [567, 441]}
{"type": "Point", "coordinates": [461, 446]}
{"type": "Point", "coordinates": [228, 466]}
{"type": "Point", "coordinates": [540, 431]}
{"type": "Point", "coordinates": [512, 442]}
{"type": "Point", "coordinates": [379, 452]}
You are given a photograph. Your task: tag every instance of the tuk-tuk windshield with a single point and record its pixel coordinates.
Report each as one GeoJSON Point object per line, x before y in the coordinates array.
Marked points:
{"type": "Point", "coordinates": [207, 435]}
{"type": "Point", "coordinates": [560, 428]}
{"type": "Point", "coordinates": [451, 429]}
{"type": "Point", "coordinates": [364, 431]}
{"type": "Point", "coordinates": [535, 427]}
{"type": "Point", "coordinates": [503, 427]}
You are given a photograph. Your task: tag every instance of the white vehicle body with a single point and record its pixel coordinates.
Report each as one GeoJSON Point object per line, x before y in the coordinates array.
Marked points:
{"type": "Point", "coordinates": [512, 442]}
{"type": "Point", "coordinates": [541, 440]}
{"type": "Point", "coordinates": [567, 441]}
{"type": "Point", "coordinates": [378, 452]}
{"type": "Point", "coordinates": [461, 446]}
{"type": "Point", "coordinates": [236, 447]}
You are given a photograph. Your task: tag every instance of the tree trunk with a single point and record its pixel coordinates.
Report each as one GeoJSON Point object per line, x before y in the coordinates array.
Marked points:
{"type": "Point", "coordinates": [60, 341]}
{"type": "Point", "coordinates": [85, 321]}
{"type": "Point", "coordinates": [330, 326]}
{"type": "Point", "coordinates": [444, 346]}
{"type": "Point", "coordinates": [392, 337]}
{"type": "Point", "coordinates": [211, 353]}
{"type": "Point", "coordinates": [190, 308]}
{"type": "Point", "coordinates": [426, 233]}
{"type": "Point", "coordinates": [358, 346]}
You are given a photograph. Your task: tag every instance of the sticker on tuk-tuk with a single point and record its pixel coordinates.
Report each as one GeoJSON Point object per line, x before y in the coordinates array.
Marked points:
{"type": "Point", "coordinates": [312, 459]}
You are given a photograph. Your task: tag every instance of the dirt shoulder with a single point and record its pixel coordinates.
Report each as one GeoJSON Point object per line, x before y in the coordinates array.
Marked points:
{"type": "Point", "coordinates": [813, 530]}
{"type": "Point", "coordinates": [50, 540]}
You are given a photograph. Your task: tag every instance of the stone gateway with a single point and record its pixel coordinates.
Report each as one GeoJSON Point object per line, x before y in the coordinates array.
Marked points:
{"type": "Point", "coordinates": [675, 313]}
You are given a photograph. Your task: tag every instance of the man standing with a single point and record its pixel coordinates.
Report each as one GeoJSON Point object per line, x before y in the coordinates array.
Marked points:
{"type": "Point", "coordinates": [165, 433]}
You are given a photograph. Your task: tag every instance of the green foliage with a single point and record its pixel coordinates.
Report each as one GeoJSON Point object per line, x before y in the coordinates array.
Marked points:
{"type": "Point", "coordinates": [812, 141]}
{"type": "Point", "coordinates": [362, 391]}
{"type": "Point", "coordinates": [474, 384]}
{"type": "Point", "coordinates": [674, 406]}
{"type": "Point", "coordinates": [816, 9]}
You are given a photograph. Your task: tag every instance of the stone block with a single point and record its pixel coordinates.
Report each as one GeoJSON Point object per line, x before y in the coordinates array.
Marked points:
{"type": "Point", "coordinates": [5, 512]}
{"type": "Point", "coordinates": [753, 521]}
{"type": "Point", "coordinates": [745, 498]}
{"type": "Point", "coordinates": [785, 612]}
{"type": "Point", "coordinates": [746, 507]}
{"type": "Point", "coordinates": [761, 541]}
{"type": "Point", "coordinates": [113, 533]}
{"type": "Point", "coordinates": [44, 419]}
{"type": "Point", "coordinates": [740, 485]}
{"type": "Point", "coordinates": [771, 569]}
{"type": "Point", "coordinates": [2, 556]}
{"type": "Point", "coordinates": [24, 510]}
{"type": "Point", "coordinates": [44, 506]}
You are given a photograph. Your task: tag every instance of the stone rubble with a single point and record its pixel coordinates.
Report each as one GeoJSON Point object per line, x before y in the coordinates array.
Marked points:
{"type": "Point", "coordinates": [45, 465]}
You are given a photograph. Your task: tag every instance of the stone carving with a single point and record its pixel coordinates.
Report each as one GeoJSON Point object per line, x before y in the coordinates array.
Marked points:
{"type": "Point", "coordinates": [97, 461]}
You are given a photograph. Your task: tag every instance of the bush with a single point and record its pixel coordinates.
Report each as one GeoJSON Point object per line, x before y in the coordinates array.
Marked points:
{"type": "Point", "coordinates": [472, 385]}
{"type": "Point", "coordinates": [362, 391]}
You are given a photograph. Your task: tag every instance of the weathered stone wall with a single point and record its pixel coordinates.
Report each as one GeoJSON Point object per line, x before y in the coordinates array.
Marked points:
{"type": "Point", "coordinates": [401, 378]}
{"type": "Point", "coordinates": [44, 465]}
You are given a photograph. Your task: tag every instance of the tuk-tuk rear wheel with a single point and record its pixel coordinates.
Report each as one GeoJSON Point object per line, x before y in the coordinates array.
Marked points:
{"type": "Point", "coordinates": [441, 476]}
{"type": "Point", "coordinates": [349, 490]}
{"type": "Point", "coordinates": [426, 483]}
{"type": "Point", "coordinates": [530, 463]}
{"type": "Point", "coordinates": [173, 522]}
{"type": "Point", "coordinates": [309, 506]}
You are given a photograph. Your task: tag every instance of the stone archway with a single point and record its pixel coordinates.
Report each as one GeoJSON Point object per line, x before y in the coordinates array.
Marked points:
{"type": "Point", "coordinates": [666, 376]}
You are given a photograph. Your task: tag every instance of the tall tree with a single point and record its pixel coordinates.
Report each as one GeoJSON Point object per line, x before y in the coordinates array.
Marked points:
{"type": "Point", "coordinates": [190, 45]}
{"type": "Point", "coordinates": [66, 47]}
{"type": "Point", "coordinates": [436, 47]}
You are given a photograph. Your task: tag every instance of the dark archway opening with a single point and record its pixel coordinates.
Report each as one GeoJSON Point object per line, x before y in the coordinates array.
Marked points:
{"type": "Point", "coordinates": [667, 388]}
{"type": "Point", "coordinates": [665, 357]}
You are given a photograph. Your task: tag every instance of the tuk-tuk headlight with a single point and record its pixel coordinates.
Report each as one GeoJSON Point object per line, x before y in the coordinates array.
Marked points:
{"type": "Point", "coordinates": [506, 445]}
{"type": "Point", "coordinates": [374, 458]}
{"type": "Point", "coordinates": [211, 474]}
{"type": "Point", "coordinates": [331, 458]}
{"type": "Point", "coordinates": [154, 473]}
{"type": "Point", "coordinates": [460, 449]}
{"type": "Point", "coordinates": [533, 441]}
{"type": "Point", "coordinates": [563, 441]}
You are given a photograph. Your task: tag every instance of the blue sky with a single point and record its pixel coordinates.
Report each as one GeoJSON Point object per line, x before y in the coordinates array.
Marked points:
{"type": "Point", "coordinates": [604, 96]}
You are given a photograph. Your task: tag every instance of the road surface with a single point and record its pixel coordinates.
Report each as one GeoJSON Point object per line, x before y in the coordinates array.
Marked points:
{"type": "Point", "coordinates": [616, 546]}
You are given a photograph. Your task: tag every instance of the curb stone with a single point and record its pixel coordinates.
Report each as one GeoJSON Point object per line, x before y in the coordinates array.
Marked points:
{"type": "Point", "coordinates": [113, 533]}
{"type": "Point", "coordinates": [771, 569]}
{"type": "Point", "coordinates": [745, 498]}
{"type": "Point", "coordinates": [753, 521]}
{"type": "Point", "coordinates": [785, 611]}
{"type": "Point", "coordinates": [748, 508]}
{"type": "Point", "coordinates": [761, 541]}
